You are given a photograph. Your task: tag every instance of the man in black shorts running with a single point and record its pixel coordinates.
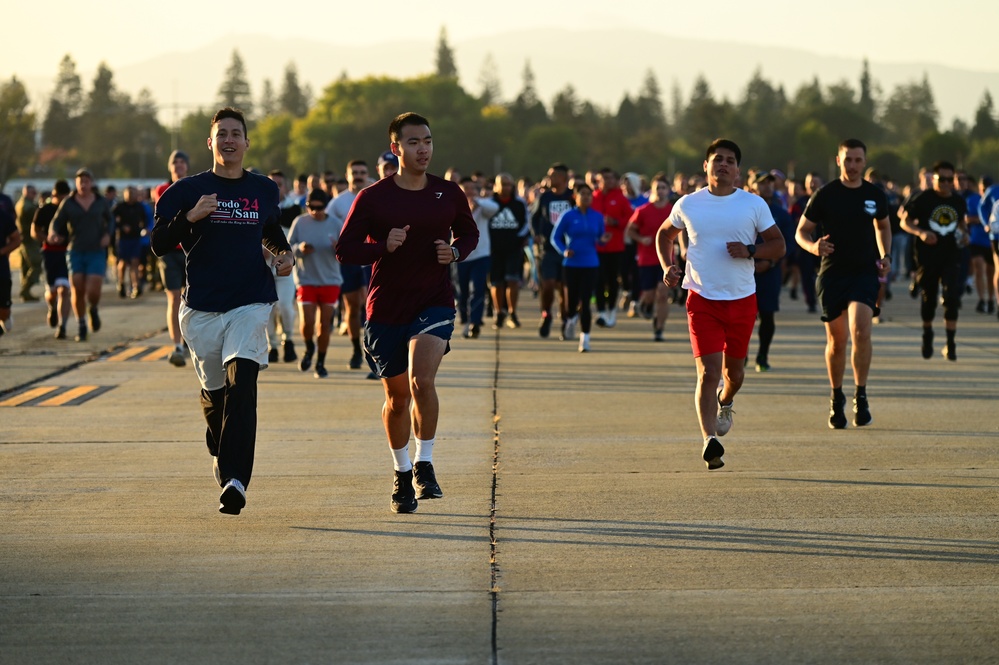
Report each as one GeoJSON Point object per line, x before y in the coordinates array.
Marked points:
{"type": "Point", "coordinates": [403, 225]}
{"type": "Point", "coordinates": [849, 216]}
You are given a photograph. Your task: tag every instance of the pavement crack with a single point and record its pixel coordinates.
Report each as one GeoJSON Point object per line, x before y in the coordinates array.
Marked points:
{"type": "Point", "coordinates": [494, 571]}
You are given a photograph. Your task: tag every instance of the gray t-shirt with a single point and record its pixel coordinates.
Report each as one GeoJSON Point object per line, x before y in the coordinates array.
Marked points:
{"type": "Point", "coordinates": [320, 268]}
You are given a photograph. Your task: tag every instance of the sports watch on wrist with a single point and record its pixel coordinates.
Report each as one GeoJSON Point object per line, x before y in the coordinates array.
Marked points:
{"type": "Point", "coordinates": [752, 250]}
{"type": "Point", "coordinates": [454, 253]}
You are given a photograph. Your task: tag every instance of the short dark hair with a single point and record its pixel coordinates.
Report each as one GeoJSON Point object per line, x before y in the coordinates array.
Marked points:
{"type": "Point", "coordinates": [465, 180]}
{"type": "Point", "coordinates": [723, 144]}
{"type": "Point", "coordinates": [850, 144]}
{"type": "Point", "coordinates": [61, 187]}
{"type": "Point", "coordinates": [356, 162]}
{"type": "Point", "coordinates": [942, 165]}
{"type": "Point", "coordinates": [277, 172]}
{"type": "Point", "coordinates": [229, 112]}
{"type": "Point", "coordinates": [580, 186]}
{"type": "Point", "coordinates": [402, 120]}
{"type": "Point", "coordinates": [559, 166]}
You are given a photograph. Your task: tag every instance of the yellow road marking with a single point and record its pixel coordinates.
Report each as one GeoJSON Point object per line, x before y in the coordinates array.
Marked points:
{"type": "Point", "coordinates": [130, 352]}
{"type": "Point", "coordinates": [28, 395]}
{"type": "Point", "coordinates": [68, 396]}
{"type": "Point", "coordinates": [159, 354]}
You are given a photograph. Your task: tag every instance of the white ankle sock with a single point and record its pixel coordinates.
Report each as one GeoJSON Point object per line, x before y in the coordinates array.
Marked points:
{"type": "Point", "coordinates": [425, 450]}
{"type": "Point", "coordinates": [401, 458]}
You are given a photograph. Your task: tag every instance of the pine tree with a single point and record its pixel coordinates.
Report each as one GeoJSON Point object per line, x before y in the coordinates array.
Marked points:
{"type": "Point", "coordinates": [268, 102]}
{"type": "Point", "coordinates": [445, 57]}
{"type": "Point", "coordinates": [489, 82]}
{"type": "Point", "coordinates": [985, 126]}
{"type": "Point", "coordinates": [292, 99]}
{"type": "Point", "coordinates": [235, 88]}
{"type": "Point", "coordinates": [62, 119]}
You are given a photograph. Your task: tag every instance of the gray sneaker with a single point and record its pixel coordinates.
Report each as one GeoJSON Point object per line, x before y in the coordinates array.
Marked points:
{"type": "Point", "coordinates": [725, 412]}
{"type": "Point", "coordinates": [233, 497]}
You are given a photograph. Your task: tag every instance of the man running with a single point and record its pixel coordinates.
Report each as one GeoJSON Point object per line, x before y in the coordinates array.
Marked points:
{"type": "Point", "coordinates": [221, 217]}
{"type": "Point", "coordinates": [403, 226]}
{"type": "Point", "coordinates": [849, 218]}
{"type": "Point", "coordinates": [722, 222]}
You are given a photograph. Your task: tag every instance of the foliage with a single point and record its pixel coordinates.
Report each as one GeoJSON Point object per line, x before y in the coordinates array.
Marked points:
{"type": "Point", "coordinates": [797, 131]}
{"type": "Point", "coordinates": [16, 129]}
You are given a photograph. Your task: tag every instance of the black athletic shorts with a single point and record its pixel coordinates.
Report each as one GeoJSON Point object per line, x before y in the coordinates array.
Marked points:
{"type": "Point", "coordinates": [836, 292]}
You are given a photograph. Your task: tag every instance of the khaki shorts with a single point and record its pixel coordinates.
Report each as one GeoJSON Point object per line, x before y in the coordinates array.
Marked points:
{"type": "Point", "coordinates": [215, 338]}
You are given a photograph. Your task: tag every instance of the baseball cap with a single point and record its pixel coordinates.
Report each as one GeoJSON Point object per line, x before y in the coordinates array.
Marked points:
{"type": "Point", "coordinates": [178, 153]}
{"type": "Point", "coordinates": [388, 158]}
{"type": "Point", "coordinates": [763, 176]}
{"type": "Point", "coordinates": [777, 173]}
{"type": "Point", "coordinates": [84, 171]}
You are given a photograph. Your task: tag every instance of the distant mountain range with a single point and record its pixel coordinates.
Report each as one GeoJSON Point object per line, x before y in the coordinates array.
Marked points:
{"type": "Point", "coordinates": [602, 66]}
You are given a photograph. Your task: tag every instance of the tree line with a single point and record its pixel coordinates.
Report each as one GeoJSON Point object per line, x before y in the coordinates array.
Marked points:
{"type": "Point", "coordinates": [119, 136]}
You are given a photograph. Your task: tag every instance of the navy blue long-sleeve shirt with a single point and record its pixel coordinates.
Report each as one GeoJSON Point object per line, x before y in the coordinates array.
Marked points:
{"type": "Point", "coordinates": [225, 265]}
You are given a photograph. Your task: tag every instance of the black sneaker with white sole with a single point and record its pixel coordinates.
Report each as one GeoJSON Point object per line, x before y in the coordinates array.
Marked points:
{"type": "Point", "coordinates": [425, 481]}
{"type": "Point", "coordinates": [712, 454]}
{"type": "Point", "coordinates": [403, 493]}
{"type": "Point", "coordinates": [861, 411]}
{"type": "Point", "coordinates": [837, 415]}
{"type": "Point", "coordinates": [233, 498]}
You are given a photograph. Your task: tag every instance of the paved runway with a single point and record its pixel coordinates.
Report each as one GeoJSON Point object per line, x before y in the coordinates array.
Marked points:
{"type": "Point", "coordinates": [579, 524]}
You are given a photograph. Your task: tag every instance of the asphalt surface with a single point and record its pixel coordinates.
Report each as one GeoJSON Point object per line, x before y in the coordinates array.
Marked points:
{"type": "Point", "coordinates": [579, 524]}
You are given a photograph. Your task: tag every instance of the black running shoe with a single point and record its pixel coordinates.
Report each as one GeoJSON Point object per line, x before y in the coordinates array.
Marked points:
{"type": "Point", "coordinates": [950, 351]}
{"type": "Point", "coordinates": [355, 360]}
{"type": "Point", "coordinates": [837, 417]}
{"type": "Point", "coordinates": [425, 481]}
{"type": "Point", "coordinates": [233, 498]}
{"type": "Point", "coordinates": [500, 320]}
{"type": "Point", "coordinates": [712, 454]}
{"type": "Point", "coordinates": [862, 412]}
{"type": "Point", "coordinates": [320, 372]}
{"type": "Point", "coordinates": [306, 362]}
{"type": "Point", "coordinates": [512, 321]}
{"type": "Point", "coordinates": [81, 336]}
{"type": "Point", "coordinates": [272, 356]}
{"type": "Point", "coordinates": [289, 352]}
{"type": "Point", "coordinates": [475, 331]}
{"type": "Point", "coordinates": [61, 333]}
{"type": "Point", "coordinates": [545, 329]}
{"type": "Point", "coordinates": [95, 319]}
{"type": "Point", "coordinates": [927, 343]}
{"type": "Point", "coordinates": [403, 493]}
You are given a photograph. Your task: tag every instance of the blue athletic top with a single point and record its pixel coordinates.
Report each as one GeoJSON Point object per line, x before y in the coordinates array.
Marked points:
{"type": "Point", "coordinates": [580, 233]}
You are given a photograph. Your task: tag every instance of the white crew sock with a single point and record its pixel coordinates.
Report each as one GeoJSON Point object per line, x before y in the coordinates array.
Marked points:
{"type": "Point", "coordinates": [401, 459]}
{"type": "Point", "coordinates": [425, 450]}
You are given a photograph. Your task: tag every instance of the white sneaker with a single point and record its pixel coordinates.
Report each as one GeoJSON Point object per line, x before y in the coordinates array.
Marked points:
{"type": "Point", "coordinates": [233, 498]}
{"type": "Point", "coordinates": [724, 423]}
{"type": "Point", "coordinates": [584, 342]}
{"type": "Point", "coordinates": [570, 327]}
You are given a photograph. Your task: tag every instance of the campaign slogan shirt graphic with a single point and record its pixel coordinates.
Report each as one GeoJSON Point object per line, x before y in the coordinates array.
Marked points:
{"type": "Point", "coordinates": [237, 211]}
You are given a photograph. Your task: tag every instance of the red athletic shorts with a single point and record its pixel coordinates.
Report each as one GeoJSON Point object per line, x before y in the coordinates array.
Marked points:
{"type": "Point", "coordinates": [318, 295]}
{"type": "Point", "coordinates": [718, 326]}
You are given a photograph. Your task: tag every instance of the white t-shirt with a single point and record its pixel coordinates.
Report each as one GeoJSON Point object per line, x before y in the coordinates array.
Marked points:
{"type": "Point", "coordinates": [339, 207]}
{"type": "Point", "coordinates": [711, 223]}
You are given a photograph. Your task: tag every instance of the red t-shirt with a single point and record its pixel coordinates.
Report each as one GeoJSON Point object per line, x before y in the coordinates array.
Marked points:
{"type": "Point", "coordinates": [617, 211]}
{"type": "Point", "coordinates": [647, 219]}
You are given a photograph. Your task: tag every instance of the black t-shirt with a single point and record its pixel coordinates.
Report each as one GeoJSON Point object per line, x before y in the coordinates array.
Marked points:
{"type": "Point", "coordinates": [548, 208]}
{"type": "Point", "coordinates": [847, 215]}
{"type": "Point", "coordinates": [506, 227]}
{"type": "Point", "coordinates": [931, 212]}
{"type": "Point", "coordinates": [129, 220]}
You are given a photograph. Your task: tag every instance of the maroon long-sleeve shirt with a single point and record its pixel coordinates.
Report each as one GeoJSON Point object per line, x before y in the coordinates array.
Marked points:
{"type": "Point", "coordinates": [409, 280]}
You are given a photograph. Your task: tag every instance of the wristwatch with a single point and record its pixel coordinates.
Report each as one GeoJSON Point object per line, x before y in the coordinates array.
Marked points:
{"type": "Point", "coordinates": [454, 253]}
{"type": "Point", "coordinates": [752, 250]}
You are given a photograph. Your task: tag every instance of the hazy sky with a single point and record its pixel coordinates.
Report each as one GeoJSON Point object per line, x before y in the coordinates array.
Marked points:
{"type": "Point", "coordinates": [36, 37]}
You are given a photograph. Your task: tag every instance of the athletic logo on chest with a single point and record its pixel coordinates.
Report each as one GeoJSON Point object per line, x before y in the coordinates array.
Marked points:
{"type": "Point", "coordinates": [870, 207]}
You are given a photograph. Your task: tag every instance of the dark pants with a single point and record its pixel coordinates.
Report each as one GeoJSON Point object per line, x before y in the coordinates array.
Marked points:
{"type": "Point", "coordinates": [933, 274]}
{"type": "Point", "coordinates": [231, 414]}
{"type": "Point", "coordinates": [608, 282]}
{"type": "Point", "coordinates": [579, 284]}
{"type": "Point", "coordinates": [472, 289]}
